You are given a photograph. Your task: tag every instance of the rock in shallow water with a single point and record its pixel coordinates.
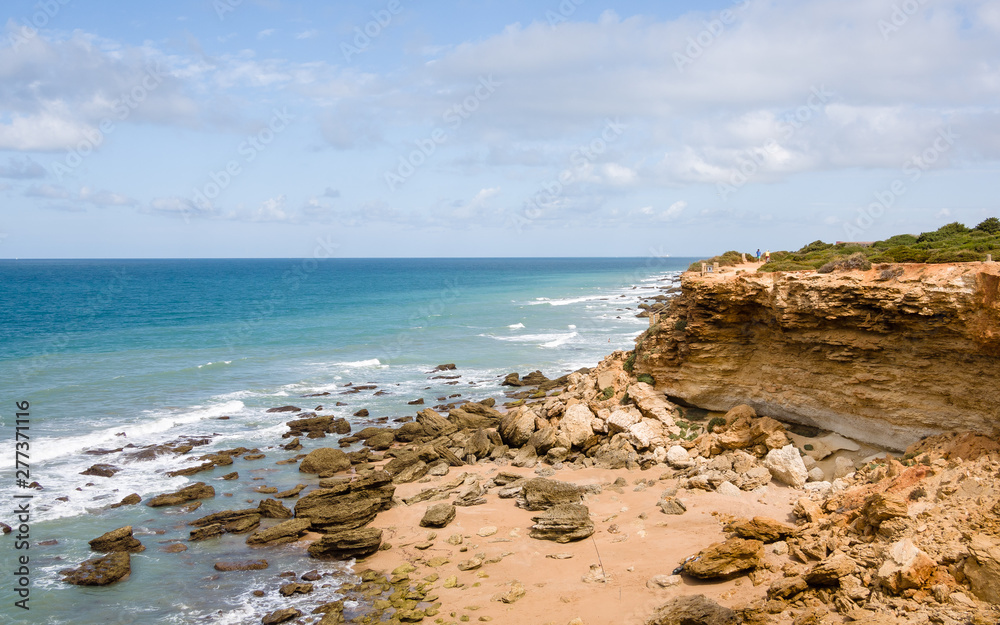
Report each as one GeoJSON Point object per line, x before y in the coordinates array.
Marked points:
{"type": "Point", "coordinates": [100, 571]}
{"type": "Point", "coordinates": [357, 543]}
{"type": "Point", "coordinates": [120, 539]}
{"type": "Point", "coordinates": [199, 490]}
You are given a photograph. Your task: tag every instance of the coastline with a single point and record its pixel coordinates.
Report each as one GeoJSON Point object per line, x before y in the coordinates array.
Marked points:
{"type": "Point", "coordinates": [621, 572]}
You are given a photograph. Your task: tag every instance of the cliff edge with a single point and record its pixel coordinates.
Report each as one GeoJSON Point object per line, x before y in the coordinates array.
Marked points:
{"type": "Point", "coordinates": [885, 356]}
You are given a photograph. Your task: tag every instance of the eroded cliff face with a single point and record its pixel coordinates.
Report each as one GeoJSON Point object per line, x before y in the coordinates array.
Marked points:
{"type": "Point", "coordinates": [885, 361]}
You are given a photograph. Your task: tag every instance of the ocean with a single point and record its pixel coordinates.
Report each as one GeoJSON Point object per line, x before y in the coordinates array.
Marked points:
{"type": "Point", "coordinates": [110, 353]}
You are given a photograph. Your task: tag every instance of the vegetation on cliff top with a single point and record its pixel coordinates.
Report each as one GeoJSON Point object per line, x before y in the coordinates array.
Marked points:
{"type": "Point", "coordinates": [951, 243]}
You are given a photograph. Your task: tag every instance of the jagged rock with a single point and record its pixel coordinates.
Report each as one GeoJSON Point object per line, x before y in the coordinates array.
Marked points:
{"type": "Point", "coordinates": [120, 539]}
{"type": "Point", "coordinates": [295, 588]}
{"type": "Point", "coordinates": [653, 404]}
{"type": "Point", "coordinates": [349, 505]}
{"type": "Point", "coordinates": [291, 492]}
{"type": "Point", "coordinates": [128, 500]}
{"type": "Point", "coordinates": [982, 568]}
{"type": "Point", "coordinates": [786, 466]}
{"type": "Point", "coordinates": [787, 587]}
{"type": "Point", "coordinates": [692, 610]}
{"type": "Point", "coordinates": [516, 427]}
{"type": "Point", "coordinates": [233, 521]}
{"type": "Point", "coordinates": [763, 529]}
{"type": "Point", "coordinates": [286, 532]}
{"type": "Point", "coordinates": [209, 531]}
{"type": "Point", "coordinates": [199, 490]}
{"type": "Point", "coordinates": [672, 505]}
{"type": "Point", "coordinates": [541, 494]}
{"type": "Point", "coordinates": [434, 424]}
{"type": "Point", "coordinates": [357, 543]}
{"type": "Point", "coordinates": [412, 465]}
{"type": "Point", "coordinates": [516, 593]}
{"type": "Point", "coordinates": [879, 508]}
{"type": "Point", "coordinates": [479, 445]}
{"type": "Point", "coordinates": [285, 409]}
{"type": "Point", "coordinates": [575, 424]}
{"type": "Point", "coordinates": [905, 567]}
{"type": "Point", "coordinates": [273, 509]}
{"type": "Point", "coordinates": [830, 571]}
{"type": "Point", "coordinates": [101, 470]}
{"type": "Point", "coordinates": [100, 571]}
{"type": "Point", "coordinates": [281, 616]}
{"type": "Point", "coordinates": [643, 435]}
{"type": "Point", "coordinates": [241, 565]}
{"type": "Point", "coordinates": [622, 419]}
{"type": "Point", "coordinates": [325, 460]}
{"type": "Point", "coordinates": [754, 478]}
{"type": "Point", "coordinates": [438, 515]}
{"type": "Point", "coordinates": [409, 432]}
{"type": "Point", "coordinates": [525, 457]}
{"type": "Point", "coordinates": [726, 558]}
{"type": "Point", "coordinates": [679, 458]}
{"type": "Point", "coordinates": [563, 523]}
{"type": "Point", "coordinates": [382, 440]}
{"type": "Point", "coordinates": [543, 440]}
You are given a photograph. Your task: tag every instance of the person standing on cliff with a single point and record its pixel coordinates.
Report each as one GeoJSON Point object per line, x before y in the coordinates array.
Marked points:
{"type": "Point", "coordinates": [767, 256]}
{"type": "Point", "coordinates": [758, 254]}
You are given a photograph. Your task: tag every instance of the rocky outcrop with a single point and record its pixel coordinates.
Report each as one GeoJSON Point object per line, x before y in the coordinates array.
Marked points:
{"type": "Point", "coordinates": [348, 505]}
{"type": "Point", "coordinates": [120, 539]}
{"type": "Point", "coordinates": [357, 543]}
{"type": "Point", "coordinates": [100, 571]}
{"type": "Point", "coordinates": [325, 460]}
{"type": "Point", "coordinates": [563, 523]}
{"type": "Point", "coordinates": [199, 490]}
{"type": "Point", "coordinates": [287, 532]}
{"type": "Point", "coordinates": [882, 361]}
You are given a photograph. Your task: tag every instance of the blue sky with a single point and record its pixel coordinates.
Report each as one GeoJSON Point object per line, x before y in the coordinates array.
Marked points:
{"type": "Point", "coordinates": [270, 128]}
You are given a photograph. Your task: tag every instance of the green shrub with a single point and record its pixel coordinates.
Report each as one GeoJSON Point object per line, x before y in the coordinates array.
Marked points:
{"type": "Point", "coordinates": [955, 256]}
{"type": "Point", "coordinates": [715, 422]}
{"type": "Point", "coordinates": [680, 325]}
{"type": "Point", "coordinates": [630, 362]}
{"type": "Point", "coordinates": [608, 393]}
{"type": "Point", "coordinates": [645, 377]}
{"type": "Point", "coordinates": [990, 225]}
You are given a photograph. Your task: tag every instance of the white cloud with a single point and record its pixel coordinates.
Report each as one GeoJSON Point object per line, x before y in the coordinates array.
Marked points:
{"type": "Point", "coordinates": [307, 34]}
{"type": "Point", "coordinates": [271, 209]}
{"type": "Point", "coordinates": [267, 32]}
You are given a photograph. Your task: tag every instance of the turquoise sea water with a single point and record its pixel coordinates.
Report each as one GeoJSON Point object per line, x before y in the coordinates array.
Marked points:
{"type": "Point", "coordinates": [111, 353]}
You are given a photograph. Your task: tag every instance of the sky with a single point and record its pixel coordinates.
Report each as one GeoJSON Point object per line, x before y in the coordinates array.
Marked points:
{"type": "Point", "coordinates": [391, 128]}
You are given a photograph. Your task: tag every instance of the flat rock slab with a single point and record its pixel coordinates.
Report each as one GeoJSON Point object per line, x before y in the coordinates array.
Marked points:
{"type": "Point", "coordinates": [100, 571]}
{"type": "Point", "coordinates": [199, 490]}
{"type": "Point", "coordinates": [563, 523]}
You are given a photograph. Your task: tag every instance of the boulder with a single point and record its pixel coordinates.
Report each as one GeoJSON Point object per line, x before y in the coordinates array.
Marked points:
{"type": "Point", "coordinates": [678, 457]}
{"type": "Point", "coordinates": [409, 432]}
{"type": "Point", "coordinates": [128, 500]}
{"type": "Point", "coordinates": [653, 405]}
{"type": "Point", "coordinates": [273, 509]}
{"type": "Point", "coordinates": [693, 610]}
{"type": "Point", "coordinates": [349, 505]}
{"type": "Point", "coordinates": [830, 571]}
{"type": "Point", "coordinates": [209, 531]}
{"type": "Point", "coordinates": [724, 559]}
{"type": "Point", "coordinates": [286, 532]}
{"type": "Point", "coordinates": [879, 508]}
{"type": "Point", "coordinates": [438, 515]}
{"type": "Point", "coordinates": [754, 478]}
{"type": "Point", "coordinates": [672, 505]}
{"type": "Point", "coordinates": [411, 465]}
{"type": "Point", "coordinates": [576, 424]}
{"type": "Point", "coordinates": [434, 424]}
{"type": "Point", "coordinates": [348, 544]}
{"type": "Point", "coordinates": [543, 440]}
{"type": "Point", "coordinates": [787, 587]}
{"type": "Point", "coordinates": [281, 616]}
{"type": "Point", "coordinates": [241, 565]}
{"type": "Point", "coordinates": [516, 427]}
{"type": "Point", "coordinates": [479, 445]}
{"type": "Point", "coordinates": [100, 571]}
{"type": "Point", "coordinates": [643, 435]}
{"type": "Point", "coordinates": [982, 568]}
{"type": "Point", "coordinates": [905, 567]}
{"type": "Point", "coordinates": [101, 470]}
{"type": "Point", "coordinates": [620, 420]}
{"type": "Point", "coordinates": [325, 460]}
{"type": "Point", "coordinates": [541, 494]}
{"type": "Point", "coordinates": [233, 521]}
{"type": "Point", "coordinates": [199, 490]}
{"type": "Point", "coordinates": [120, 539]}
{"type": "Point", "coordinates": [763, 529]}
{"type": "Point", "coordinates": [563, 523]}
{"type": "Point", "coordinates": [295, 588]}
{"type": "Point", "coordinates": [786, 466]}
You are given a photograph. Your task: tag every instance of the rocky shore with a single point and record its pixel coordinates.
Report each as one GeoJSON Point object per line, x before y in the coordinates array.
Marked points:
{"type": "Point", "coordinates": [592, 499]}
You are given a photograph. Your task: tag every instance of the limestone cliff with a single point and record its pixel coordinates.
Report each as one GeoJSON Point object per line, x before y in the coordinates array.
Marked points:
{"type": "Point", "coordinates": [883, 356]}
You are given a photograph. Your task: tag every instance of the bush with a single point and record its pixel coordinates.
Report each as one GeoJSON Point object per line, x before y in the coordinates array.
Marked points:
{"type": "Point", "coordinates": [629, 362]}
{"type": "Point", "coordinates": [955, 256]}
{"type": "Point", "coordinates": [990, 225]}
{"type": "Point", "coordinates": [889, 273]}
{"type": "Point", "coordinates": [715, 422]}
{"type": "Point", "coordinates": [645, 377]}
{"type": "Point", "coordinates": [904, 254]}
{"type": "Point", "coordinates": [680, 325]}
{"type": "Point", "coordinates": [608, 393]}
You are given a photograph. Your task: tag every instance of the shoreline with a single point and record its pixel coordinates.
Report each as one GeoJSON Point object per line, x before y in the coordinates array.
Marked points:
{"type": "Point", "coordinates": [629, 560]}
